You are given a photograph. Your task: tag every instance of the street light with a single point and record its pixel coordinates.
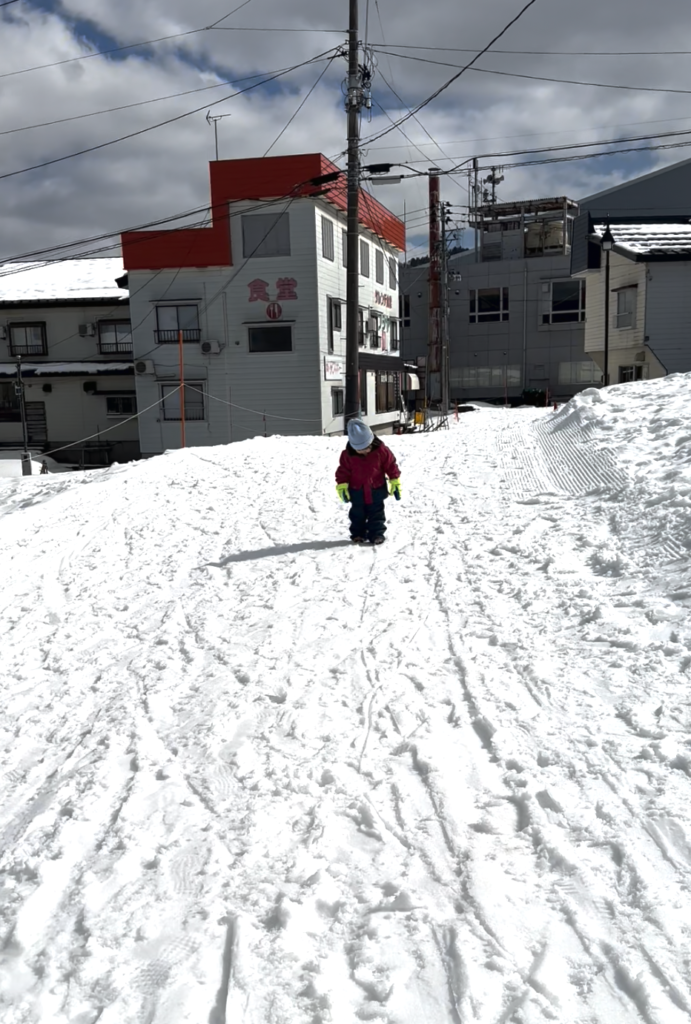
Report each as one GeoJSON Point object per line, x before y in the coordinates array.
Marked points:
{"type": "Point", "coordinates": [607, 244]}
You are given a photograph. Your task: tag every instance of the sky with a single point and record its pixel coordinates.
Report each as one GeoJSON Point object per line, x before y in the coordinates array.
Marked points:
{"type": "Point", "coordinates": [164, 172]}
{"type": "Point", "coordinates": [250, 774]}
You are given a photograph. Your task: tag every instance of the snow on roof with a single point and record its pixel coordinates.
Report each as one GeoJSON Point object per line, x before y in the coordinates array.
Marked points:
{"type": "Point", "coordinates": [68, 279]}
{"type": "Point", "coordinates": [38, 369]}
{"type": "Point", "coordinates": [651, 239]}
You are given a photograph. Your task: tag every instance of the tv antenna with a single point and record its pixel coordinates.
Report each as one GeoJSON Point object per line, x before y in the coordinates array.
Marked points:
{"type": "Point", "coordinates": [214, 119]}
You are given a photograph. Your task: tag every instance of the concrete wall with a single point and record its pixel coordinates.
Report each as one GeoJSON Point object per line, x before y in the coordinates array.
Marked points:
{"type": "Point", "coordinates": [523, 341]}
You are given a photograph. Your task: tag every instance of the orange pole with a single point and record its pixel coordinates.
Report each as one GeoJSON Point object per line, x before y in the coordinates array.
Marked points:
{"type": "Point", "coordinates": [182, 392]}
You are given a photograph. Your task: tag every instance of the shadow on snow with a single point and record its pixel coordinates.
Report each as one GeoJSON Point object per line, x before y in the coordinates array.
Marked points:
{"type": "Point", "coordinates": [280, 549]}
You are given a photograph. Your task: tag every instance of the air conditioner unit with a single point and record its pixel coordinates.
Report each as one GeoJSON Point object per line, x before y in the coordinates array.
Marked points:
{"type": "Point", "coordinates": [209, 348]}
{"type": "Point", "coordinates": [143, 366]}
{"type": "Point", "coordinates": [87, 330]}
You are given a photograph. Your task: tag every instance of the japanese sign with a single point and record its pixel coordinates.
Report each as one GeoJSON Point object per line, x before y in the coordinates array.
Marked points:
{"type": "Point", "coordinates": [334, 368]}
{"type": "Point", "coordinates": [286, 291]}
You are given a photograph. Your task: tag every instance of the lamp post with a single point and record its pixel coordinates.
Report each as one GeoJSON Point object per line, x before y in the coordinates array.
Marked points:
{"type": "Point", "coordinates": [607, 244]}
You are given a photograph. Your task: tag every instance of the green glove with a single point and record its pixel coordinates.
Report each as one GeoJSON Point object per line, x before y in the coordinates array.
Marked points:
{"type": "Point", "coordinates": [395, 488]}
{"type": "Point", "coordinates": [343, 492]}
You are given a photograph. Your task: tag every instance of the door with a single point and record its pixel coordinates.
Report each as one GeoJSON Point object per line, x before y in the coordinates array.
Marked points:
{"type": "Point", "coordinates": [36, 424]}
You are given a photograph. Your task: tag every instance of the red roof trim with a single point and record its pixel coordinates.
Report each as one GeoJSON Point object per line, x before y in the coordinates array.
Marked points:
{"type": "Point", "coordinates": [258, 178]}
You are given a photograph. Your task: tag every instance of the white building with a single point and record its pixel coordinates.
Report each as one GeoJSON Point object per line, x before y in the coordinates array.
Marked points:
{"type": "Point", "coordinates": [69, 324]}
{"type": "Point", "coordinates": [259, 297]}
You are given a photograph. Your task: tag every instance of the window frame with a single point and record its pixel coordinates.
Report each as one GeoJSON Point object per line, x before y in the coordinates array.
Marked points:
{"type": "Point", "coordinates": [252, 328]}
{"type": "Point", "coordinates": [198, 385]}
{"type": "Point", "coordinates": [578, 376]}
{"type": "Point", "coordinates": [548, 318]}
{"type": "Point", "coordinates": [379, 266]}
{"type": "Point", "coordinates": [123, 414]}
{"type": "Point", "coordinates": [385, 385]}
{"type": "Point", "coordinates": [628, 291]}
{"type": "Point", "coordinates": [334, 319]}
{"type": "Point", "coordinates": [327, 227]}
{"type": "Point", "coordinates": [169, 335]}
{"type": "Point", "coordinates": [28, 348]}
{"type": "Point", "coordinates": [364, 258]}
{"type": "Point", "coordinates": [404, 309]}
{"type": "Point", "coordinates": [493, 316]}
{"type": "Point", "coordinates": [374, 337]}
{"type": "Point", "coordinates": [393, 273]}
{"type": "Point", "coordinates": [337, 402]}
{"type": "Point", "coordinates": [118, 346]}
{"type": "Point", "coordinates": [395, 336]}
{"type": "Point", "coordinates": [261, 251]}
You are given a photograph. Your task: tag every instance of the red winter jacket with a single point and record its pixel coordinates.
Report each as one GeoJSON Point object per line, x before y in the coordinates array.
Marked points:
{"type": "Point", "coordinates": [363, 472]}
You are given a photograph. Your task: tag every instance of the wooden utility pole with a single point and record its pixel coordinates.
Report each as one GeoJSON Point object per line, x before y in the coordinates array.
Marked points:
{"type": "Point", "coordinates": [435, 289]}
{"type": "Point", "coordinates": [354, 102]}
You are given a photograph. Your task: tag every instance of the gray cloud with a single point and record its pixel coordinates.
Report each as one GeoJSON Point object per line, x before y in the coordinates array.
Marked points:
{"type": "Point", "coordinates": [166, 171]}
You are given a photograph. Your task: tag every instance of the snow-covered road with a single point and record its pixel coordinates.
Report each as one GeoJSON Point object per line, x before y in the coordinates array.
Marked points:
{"type": "Point", "coordinates": [253, 775]}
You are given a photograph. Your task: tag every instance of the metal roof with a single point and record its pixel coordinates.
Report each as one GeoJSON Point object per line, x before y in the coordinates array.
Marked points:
{"type": "Point", "coordinates": [671, 240]}
{"type": "Point", "coordinates": [82, 280]}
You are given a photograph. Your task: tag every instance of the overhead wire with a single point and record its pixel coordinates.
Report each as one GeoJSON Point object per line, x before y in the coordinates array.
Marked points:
{"type": "Point", "coordinates": [161, 124]}
{"type": "Point", "coordinates": [139, 103]}
{"type": "Point", "coordinates": [551, 53]}
{"type": "Point", "coordinates": [537, 78]}
{"type": "Point", "coordinates": [301, 105]}
{"type": "Point", "coordinates": [455, 77]}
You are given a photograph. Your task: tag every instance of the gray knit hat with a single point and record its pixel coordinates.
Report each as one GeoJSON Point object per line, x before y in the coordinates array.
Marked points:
{"type": "Point", "coordinates": [359, 434]}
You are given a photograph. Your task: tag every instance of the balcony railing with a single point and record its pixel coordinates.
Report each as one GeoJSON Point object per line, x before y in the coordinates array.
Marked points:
{"type": "Point", "coordinates": [32, 349]}
{"type": "Point", "coordinates": [107, 348]}
{"type": "Point", "coordinates": [171, 337]}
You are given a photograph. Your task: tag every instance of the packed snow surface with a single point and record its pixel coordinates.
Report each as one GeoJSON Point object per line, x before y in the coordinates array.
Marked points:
{"type": "Point", "coordinates": [254, 775]}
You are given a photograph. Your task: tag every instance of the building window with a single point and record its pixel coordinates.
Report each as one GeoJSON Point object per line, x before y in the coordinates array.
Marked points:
{"type": "Point", "coordinates": [363, 391]}
{"type": "Point", "coordinates": [379, 266]}
{"type": "Point", "coordinates": [327, 238]}
{"type": "Point", "coordinates": [194, 400]}
{"type": "Point", "coordinates": [395, 335]}
{"type": "Point", "coordinates": [335, 321]}
{"type": "Point", "coordinates": [114, 336]}
{"type": "Point", "coordinates": [373, 326]}
{"type": "Point", "coordinates": [276, 338]}
{"type": "Point", "coordinates": [361, 314]}
{"type": "Point", "coordinates": [170, 320]}
{"type": "Point", "coordinates": [344, 248]}
{"type": "Point", "coordinates": [581, 371]}
{"type": "Point", "coordinates": [364, 259]}
{"type": "Point", "coordinates": [486, 376]}
{"type": "Point", "coordinates": [626, 307]}
{"type": "Point", "coordinates": [337, 401]}
{"type": "Point", "coordinates": [567, 302]}
{"type": "Point", "coordinates": [9, 403]}
{"type": "Point", "coordinates": [404, 309]}
{"type": "Point", "coordinates": [393, 273]}
{"type": "Point", "coordinates": [386, 392]}
{"type": "Point", "coordinates": [265, 234]}
{"type": "Point", "coordinates": [489, 305]}
{"type": "Point", "coordinates": [28, 339]}
{"type": "Point", "coordinates": [629, 373]}
{"type": "Point", "coordinates": [118, 406]}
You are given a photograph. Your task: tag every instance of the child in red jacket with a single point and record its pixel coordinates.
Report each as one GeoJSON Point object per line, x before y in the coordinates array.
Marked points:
{"type": "Point", "coordinates": [361, 479]}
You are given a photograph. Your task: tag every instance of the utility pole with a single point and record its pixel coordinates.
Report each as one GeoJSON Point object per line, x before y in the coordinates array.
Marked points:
{"type": "Point", "coordinates": [19, 391]}
{"type": "Point", "coordinates": [435, 284]}
{"type": "Point", "coordinates": [354, 103]}
{"type": "Point", "coordinates": [444, 317]}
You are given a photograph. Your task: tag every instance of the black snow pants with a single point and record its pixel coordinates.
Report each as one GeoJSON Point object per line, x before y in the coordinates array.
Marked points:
{"type": "Point", "coordinates": [368, 521]}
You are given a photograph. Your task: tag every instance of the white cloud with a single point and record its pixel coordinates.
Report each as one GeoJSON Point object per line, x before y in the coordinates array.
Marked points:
{"type": "Point", "coordinates": [164, 171]}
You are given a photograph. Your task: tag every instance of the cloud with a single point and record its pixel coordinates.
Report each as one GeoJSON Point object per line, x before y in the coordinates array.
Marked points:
{"type": "Point", "coordinates": [164, 171]}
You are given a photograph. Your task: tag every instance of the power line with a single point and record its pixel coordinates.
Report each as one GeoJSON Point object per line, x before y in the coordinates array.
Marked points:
{"type": "Point", "coordinates": [536, 78]}
{"type": "Point", "coordinates": [161, 124]}
{"type": "Point", "coordinates": [139, 103]}
{"type": "Point", "coordinates": [454, 78]}
{"type": "Point", "coordinates": [228, 15]}
{"type": "Point", "coordinates": [301, 105]}
{"type": "Point", "coordinates": [553, 53]}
